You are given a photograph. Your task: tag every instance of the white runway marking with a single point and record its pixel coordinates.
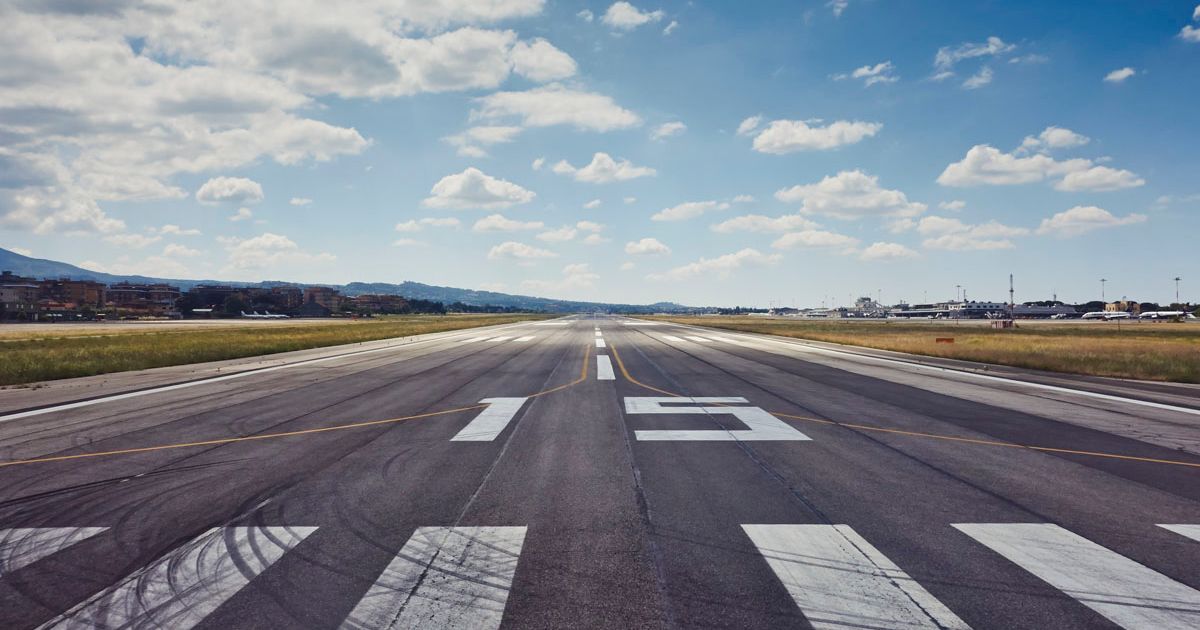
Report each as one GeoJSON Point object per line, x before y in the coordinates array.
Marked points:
{"type": "Point", "coordinates": [698, 339]}
{"type": "Point", "coordinates": [553, 324]}
{"type": "Point", "coordinates": [474, 339]}
{"type": "Point", "coordinates": [444, 577]}
{"type": "Point", "coordinates": [24, 546]}
{"type": "Point", "coordinates": [600, 343]}
{"type": "Point", "coordinates": [491, 421]}
{"type": "Point", "coordinates": [1125, 592]}
{"type": "Point", "coordinates": [498, 339]}
{"type": "Point", "coordinates": [671, 338]}
{"type": "Point", "coordinates": [1191, 531]}
{"type": "Point", "coordinates": [839, 580]}
{"type": "Point", "coordinates": [182, 588]}
{"type": "Point", "coordinates": [526, 338]}
{"type": "Point", "coordinates": [218, 379]}
{"type": "Point", "coordinates": [604, 369]}
{"type": "Point", "coordinates": [599, 334]}
{"type": "Point", "coordinates": [761, 426]}
{"type": "Point", "coordinates": [641, 324]}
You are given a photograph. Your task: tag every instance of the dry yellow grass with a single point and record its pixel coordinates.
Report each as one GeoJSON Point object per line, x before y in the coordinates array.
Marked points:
{"type": "Point", "coordinates": [1150, 351]}
{"type": "Point", "coordinates": [42, 355]}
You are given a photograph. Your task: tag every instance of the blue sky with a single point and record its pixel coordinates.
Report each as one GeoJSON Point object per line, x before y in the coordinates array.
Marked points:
{"type": "Point", "coordinates": [705, 153]}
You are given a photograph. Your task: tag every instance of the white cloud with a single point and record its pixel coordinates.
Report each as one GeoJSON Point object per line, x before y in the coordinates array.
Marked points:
{"type": "Point", "coordinates": [629, 200]}
{"type": "Point", "coordinates": [1119, 75]}
{"type": "Point", "coordinates": [268, 251]}
{"type": "Point", "coordinates": [789, 136]}
{"type": "Point", "coordinates": [1099, 179]}
{"type": "Point", "coordinates": [575, 276]}
{"type": "Point", "coordinates": [175, 230]}
{"type": "Point", "coordinates": [471, 151]}
{"type": "Point", "coordinates": [1031, 58]}
{"type": "Point", "coordinates": [537, 163]}
{"type": "Point", "coordinates": [1196, 14]}
{"type": "Point", "coordinates": [585, 15]}
{"type": "Point", "coordinates": [743, 199]}
{"type": "Point", "coordinates": [20, 250]}
{"type": "Point", "coordinates": [540, 61]}
{"type": "Point", "coordinates": [180, 251]}
{"type": "Point", "coordinates": [590, 226]}
{"type": "Point", "coordinates": [878, 73]}
{"type": "Point", "coordinates": [688, 210]}
{"type": "Point", "coordinates": [1084, 219]}
{"type": "Point", "coordinates": [671, 28]}
{"type": "Point", "coordinates": [954, 205]}
{"type": "Point", "coordinates": [595, 239]}
{"type": "Point", "coordinates": [979, 79]}
{"type": "Point", "coordinates": [135, 241]}
{"type": "Point", "coordinates": [242, 214]}
{"type": "Point", "coordinates": [668, 129]}
{"type": "Point", "coordinates": [603, 169]}
{"type": "Point", "coordinates": [155, 266]}
{"type": "Point", "coordinates": [1190, 34]}
{"type": "Point", "coordinates": [838, 6]}
{"type": "Point", "coordinates": [816, 239]}
{"type": "Point", "coordinates": [953, 234]}
{"type": "Point", "coordinates": [500, 223]}
{"type": "Point", "coordinates": [300, 201]}
{"type": "Point", "coordinates": [416, 225]}
{"type": "Point", "coordinates": [559, 235]}
{"type": "Point", "coordinates": [647, 247]}
{"type": "Point", "coordinates": [556, 104]}
{"type": "Point", "coordinates": [408, 242]}
{"type": "Point", "coordinates": [887, 251]}
{"type": "Point", "coordinates": [747, 126]}
{"type": "Point", "coordinates": [628, 266]}
{"type": "Point", "coordinates": [985, 164]}
{"type": "Point", "coordinates": [721, 266]}
{"type": "Point", "coordinates": [593, 204]}
{"type": "Point", "coordinates": [851, 195]}
{"type": "Point", "coordinates": [230, 190]}
{"type": "Point", "coordinates": [512, 250]}
{"type": "Point", "coordinates": [760, 223]}
{"type": "Point", "coordinates": [473, 188]}
{"type": "Point", "coordinates": [469, 141]}
{"type": "Point", "coordinates": [1054, 138]}
{"type": "Point", "coordinates": [626, 17]}
{"type": "Point", "coordinates": [947, 57]}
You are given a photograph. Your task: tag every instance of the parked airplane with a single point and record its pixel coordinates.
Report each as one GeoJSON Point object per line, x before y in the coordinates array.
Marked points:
{"type": "Point", "coordinates": [1107, 315]}
{"type": "Point", "coordinates": [265, 315]}
{"type": "Point", "coordinates": [1166, 315]}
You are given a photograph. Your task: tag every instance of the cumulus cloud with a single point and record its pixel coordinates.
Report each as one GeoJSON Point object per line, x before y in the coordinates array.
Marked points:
{"type": "Point", "coordinates": [749, 125]}
{"type": "Point", "coordinates": [176, 250]}
{"type": "Point", "coordinates": [586, 15]}
{"type": "Point", "coordinates": [133, 241]}
{"type": "Point", "coordinates": [671, 28]}
{"type": "Point", "coordinates": [850, 195]}
{"type": "Point", "coordinates": [230, 190]}
{"type": "Point", "coordinates": [953, 205]}
{"type": "Point", "coordinates": [887, 251]}
{"type": "Point", "coordinates": [590, 226]}
{"type": "Point", "coordinates": [626, 17]}
{"type": "Point", "coordinates": [575, 276]}
{"type": "Point", "coordinates": [1083, 219]}
{"type": "Point", "coordinates": [595, 239]}
{"type": "Point", "coordinates": [20, 250]}
{"type": "Point", "coordinates": [721, 266]}
{"type": "Point", "coordinates": [688, 210]}
{"type": "Point", "coordinates": [838, 6]}
{"type": "Point", "coordinates": [646, 247]}
{"type": "Point", "coordinates": [171, 229]}
{"type": "Point", "coordinates": [268, 251]}
{"type": "Point", "coordinates": [871, 74]}
{"type": "Point", "coordinates": [985, 164]}
{"type": "Point", "coordinates": [1054, 138]}
{"type": "Point", "coordinates": [242, 214]}
{"type": "Point", "coordinates": [300, 201]}
{"type": "Point", "coordinates": [954, 234]}
{"type": "Point", "coordinates": [760, 223]}
{"type": "Point", "coordinates": [512, 250]}
{"type": "Point", "coordinates": [789, 136]}
{"type": "Point", "coordinates": [537, 163]}
{"type": "Point", "coordinates": [593, 204]}
{"type": "Point", "coordinates": [1119, 75]}
{"type": "Point", "coordinates": [473, 188]}
{"type": "Point", "coordinates": [470, 141]}
{"type": "Point", "coordinates": [556, 104]}
{"type": "Point", "coordinates": [538, 60]}
{"type": "Point", "coordinates": [603, 169]}
{"type": "Point", "coordinates": [816, 239]}
{"type": "Point", "coordinates": [559, 235]}
{"type": "Point", "coordinates": [1190, 33]}
{"type": "Point", "coordinates": [501, 223]}
{"type": "Point", "coordinates": [947, 57]}
{"type": "Point", "coordinates": [667, 129]}
{"type": "Point", "coordinates": [979, 79]}
{"type": "Point", "coordinates": [416, 225]}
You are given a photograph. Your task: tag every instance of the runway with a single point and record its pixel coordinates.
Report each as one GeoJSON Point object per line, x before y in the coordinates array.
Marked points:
{"type": "Point", "coordinates": [602, 472]}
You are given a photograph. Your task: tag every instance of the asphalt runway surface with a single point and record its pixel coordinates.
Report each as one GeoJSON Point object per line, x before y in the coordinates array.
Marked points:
{"type": "Point", "coordinates": [596, 472]}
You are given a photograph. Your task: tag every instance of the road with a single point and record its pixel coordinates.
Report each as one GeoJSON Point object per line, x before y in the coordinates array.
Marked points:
{"type": "Point", "coordinates": [604, 473]}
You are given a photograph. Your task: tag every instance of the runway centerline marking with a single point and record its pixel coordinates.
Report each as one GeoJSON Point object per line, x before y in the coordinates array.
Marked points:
{"type": "Point", "coordinates": [600, 343]}
{"type": "Point", "coordinates": [604, 368]}
{"type": "Point", "coordinates": [933, 436]}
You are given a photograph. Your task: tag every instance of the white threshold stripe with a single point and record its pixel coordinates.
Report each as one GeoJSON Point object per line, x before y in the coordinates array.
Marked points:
{"type": "Point", "coordinates": [474, 339]}
{"type": "Point", "coordinates": [599, 334]}
{"type": "Point", "coordinates": [963, 373]}
{"type": "Point", "coordinates": [600, 343]}
{"type": "Point", "coordinates": [525, 338]}
{"type": "Point", "coordinates": [839, 580]}
{"type": "Point", "coordinates": [604, 368]}
{"type": "Point", "coordinates": [671, 338]}
{"type": "Point", "coordinates": [760, 425]}
{"type": "Point", "coordinates": [444, 577]}
{"type": "Point", "coordinates": [698, 339]}
{"type": "Point", "coordinates": [1126, 593]}
{"type": "Point", "coordinates": [498, 339]}
{"type": "Point", "coordinates": [1191, 531]}
{"type": "Point", "coordinates": [218, 379]}
{"type": "Point", "coordinates": [23, 546]}
{"type": "Point", "coordinates": [182, 588]}
{"type": "Point", "coordinates": [491, 421]}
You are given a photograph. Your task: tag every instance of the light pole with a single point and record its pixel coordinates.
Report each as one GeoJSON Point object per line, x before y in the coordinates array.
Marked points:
{"type": "Point", "coordinates": [957, 287]}
{"type": "Point", "coordinates": [1102, 298]}
{"type": "Point", "coordinates": [1177, 279]}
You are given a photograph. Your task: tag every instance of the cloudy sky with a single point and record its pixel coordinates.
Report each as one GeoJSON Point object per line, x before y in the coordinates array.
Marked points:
{"type": "Point", "coordinates": [707, 153]}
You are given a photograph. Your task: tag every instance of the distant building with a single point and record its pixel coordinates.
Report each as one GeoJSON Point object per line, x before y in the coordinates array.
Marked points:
{"type": "Point", "coordinates": [155, 300]}
{"type": "Point", "coordinates": [371, 303]}
{"type": "Point", "coordinates": [325, 296]}
{"type": "Point", "coordinates": [18, 296]}
{"type": "Point", "coordinates": [74, 294]}
{"type": "Point", "coordinates": [1123, 306]}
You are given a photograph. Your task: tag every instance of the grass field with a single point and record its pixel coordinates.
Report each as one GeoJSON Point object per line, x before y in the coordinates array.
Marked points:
{"type": "Point", "coordinates": [43, 354]}
{"type": "Point", "coordinates": [1141, 350]}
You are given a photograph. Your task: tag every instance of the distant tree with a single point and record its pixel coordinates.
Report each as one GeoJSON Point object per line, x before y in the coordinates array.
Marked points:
{"type": "Point", "coordinates": [1090, 307]}
{"type": "Point", "coordinates": [1149, 306]}
{"type": "Point", "coordinates": [234, 305]}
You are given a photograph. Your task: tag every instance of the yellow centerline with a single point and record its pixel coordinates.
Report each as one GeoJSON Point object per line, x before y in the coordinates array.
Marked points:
{"type": "Point", "coordinates": [583, 373]}
{"type": "Point", "coordinates": [933, 436]}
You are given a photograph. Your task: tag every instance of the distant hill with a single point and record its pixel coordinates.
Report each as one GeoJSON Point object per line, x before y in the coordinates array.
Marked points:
{"type": "Point", "coordinates": [43, 268]}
